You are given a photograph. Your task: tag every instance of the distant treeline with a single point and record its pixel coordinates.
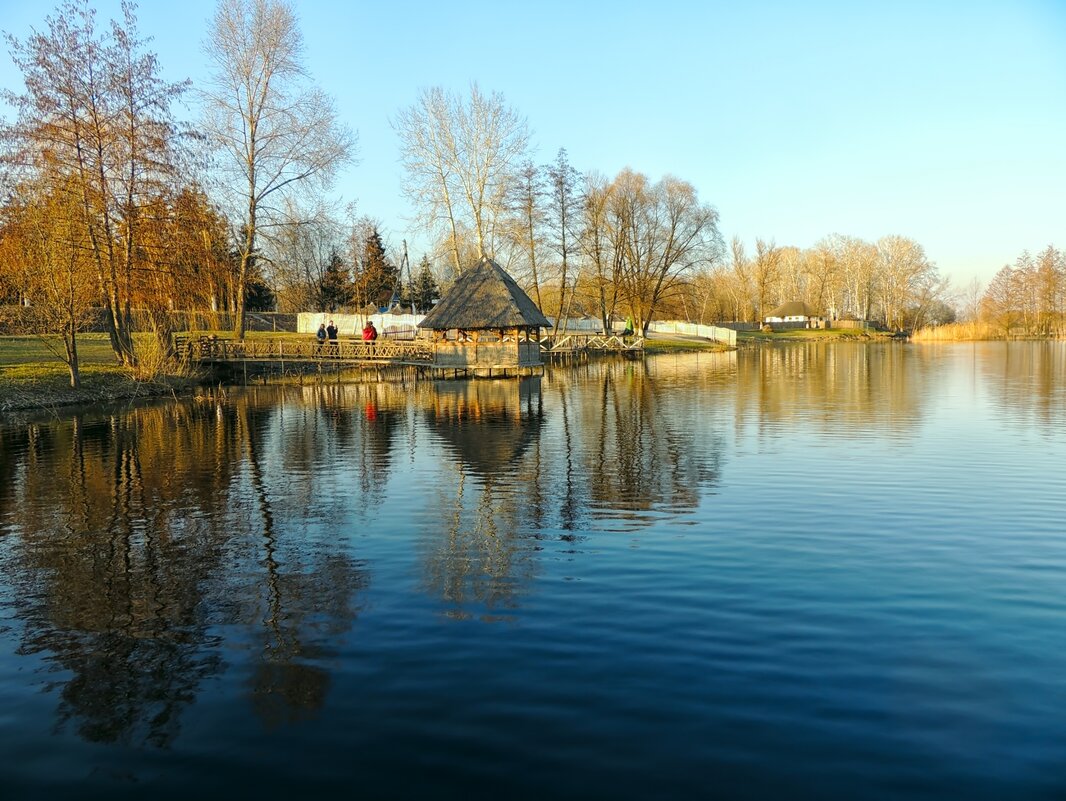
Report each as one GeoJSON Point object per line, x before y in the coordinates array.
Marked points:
{"type": "Point", "coordinates": [1023, 300]}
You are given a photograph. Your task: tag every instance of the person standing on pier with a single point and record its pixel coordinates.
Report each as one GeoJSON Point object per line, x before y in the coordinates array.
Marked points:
{"type": "Point", "coordinates": [320, 335]}
{"type": "Point", "coordinates": [370, 333]}
{"type": "Point", "coordinates": [331, 332]}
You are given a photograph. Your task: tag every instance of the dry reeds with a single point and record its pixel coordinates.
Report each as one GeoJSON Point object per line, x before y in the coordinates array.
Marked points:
{"type": "Point", "coordinates": [957, 332]}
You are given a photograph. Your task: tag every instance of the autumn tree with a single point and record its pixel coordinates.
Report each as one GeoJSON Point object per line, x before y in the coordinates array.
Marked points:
{"type": "Point", "coordinates": [56, 277]}
{"type": "Point", "coordinates": [275, 132]}
{"type": "Point", "coordinates": [94, 121]}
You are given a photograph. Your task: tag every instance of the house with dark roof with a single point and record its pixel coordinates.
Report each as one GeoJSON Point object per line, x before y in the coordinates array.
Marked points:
{"type": "Point", "coordinates": [485, 324]}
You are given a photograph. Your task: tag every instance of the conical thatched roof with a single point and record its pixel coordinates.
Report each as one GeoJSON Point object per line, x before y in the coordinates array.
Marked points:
{"type": "Point", "coordinates": [794, 308]}
{"type": "Point", "coordinates": [484, 296]}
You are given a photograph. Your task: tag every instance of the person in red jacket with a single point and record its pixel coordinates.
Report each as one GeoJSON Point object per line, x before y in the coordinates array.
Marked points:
{"type": "Point", "coordinates": [370, 333]}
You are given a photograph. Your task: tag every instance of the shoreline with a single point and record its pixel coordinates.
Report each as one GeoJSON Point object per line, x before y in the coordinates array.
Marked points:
{"type": "Point", "coordinates": [40, 396]}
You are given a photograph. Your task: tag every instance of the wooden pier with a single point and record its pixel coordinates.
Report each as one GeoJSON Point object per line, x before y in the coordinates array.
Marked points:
{"type": "Point", "coordinates": [570, 343]}
{"type": "Point", "coordinates": [445, 356]}
{"type": "Point", "coordinates": [207, 350]}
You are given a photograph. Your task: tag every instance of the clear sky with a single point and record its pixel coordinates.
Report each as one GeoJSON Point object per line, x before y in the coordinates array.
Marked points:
{"type": "Point", "coordinates": [941, 121]}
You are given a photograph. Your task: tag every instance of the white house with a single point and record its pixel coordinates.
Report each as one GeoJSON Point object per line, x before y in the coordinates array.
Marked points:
{"type": "Point", "coordinates": [795, 311]}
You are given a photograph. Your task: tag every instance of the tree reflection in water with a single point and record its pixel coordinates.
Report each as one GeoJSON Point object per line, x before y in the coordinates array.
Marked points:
{"type": "Point", "coordinates": [140, 547]}
{"type": "Point", "coordinates": [133, 537]}
{"type": "Point", "coordinates": [601, 457]}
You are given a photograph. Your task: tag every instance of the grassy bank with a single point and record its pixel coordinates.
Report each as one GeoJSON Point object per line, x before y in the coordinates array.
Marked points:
{"type": "Point", "coordinates": [33, 377]}
{"type": "Point", "coordinates": [815, 335]}
{"type": "Point", "coordinates": [661, 344]}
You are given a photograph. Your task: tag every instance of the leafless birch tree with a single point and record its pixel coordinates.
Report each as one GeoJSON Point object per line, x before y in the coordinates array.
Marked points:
{"type": "Point", "coordinates": [459, 156]}
{"type": "Point", "coordinates": [274, 131]}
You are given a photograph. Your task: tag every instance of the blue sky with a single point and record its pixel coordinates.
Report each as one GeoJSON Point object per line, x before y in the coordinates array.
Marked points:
{"type": "Point", "coordinates": [941, 121]}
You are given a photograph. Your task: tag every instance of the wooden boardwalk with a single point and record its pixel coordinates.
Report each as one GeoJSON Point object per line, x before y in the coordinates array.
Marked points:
{"type": "Point", "coordinates": [591, 343]}
{"type": "Point", "coordinates": [306, 349]}
{"type": "Point", "coordinates": [416, 352]}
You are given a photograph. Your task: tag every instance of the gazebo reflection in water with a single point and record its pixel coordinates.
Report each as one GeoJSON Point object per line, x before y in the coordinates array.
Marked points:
{"type": "Point", "coordinates": [479, 560]}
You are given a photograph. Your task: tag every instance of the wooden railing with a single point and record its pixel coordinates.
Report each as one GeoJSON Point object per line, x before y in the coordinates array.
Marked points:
{"type": "Point", "coordinates": [595, 343]}
{"type": "Point", "coordinates": [207, 349]}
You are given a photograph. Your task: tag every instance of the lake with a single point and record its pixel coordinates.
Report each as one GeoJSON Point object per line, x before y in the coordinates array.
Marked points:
{"type": "Point", "coordinates": [805, 570]}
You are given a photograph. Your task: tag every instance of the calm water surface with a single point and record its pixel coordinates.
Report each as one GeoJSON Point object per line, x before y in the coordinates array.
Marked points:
{"type": "Point", "coordinates": [803, 571]}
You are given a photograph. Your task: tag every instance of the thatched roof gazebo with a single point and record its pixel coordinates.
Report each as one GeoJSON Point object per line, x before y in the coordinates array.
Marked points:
{"type": "Point", "coordinates": [485, 324]}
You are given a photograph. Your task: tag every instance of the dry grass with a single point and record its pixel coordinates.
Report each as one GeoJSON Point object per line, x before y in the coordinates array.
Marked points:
{"type": "Point", "coordinates": [957, 332]}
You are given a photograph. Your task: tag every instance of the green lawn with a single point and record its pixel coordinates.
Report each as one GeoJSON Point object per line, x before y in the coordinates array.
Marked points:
{"type": "Point", "coordinates": [809, 334]}
{"type": "Point", "coordinates": [32, 376]}
{"type": "Point", "coordinates": [22, 350]}
{"type": "Point", "coordinates": [658, 345]}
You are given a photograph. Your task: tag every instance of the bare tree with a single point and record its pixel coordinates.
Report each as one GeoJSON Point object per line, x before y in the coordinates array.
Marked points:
{"type": "Point", "coordinates": [665, 231]}
{"type": "Point", "coordinates": [598, 242]}
{"type": "Point", "coordinates": [906, 275]}
{"type": "Point", "coordinates": [459, 157]}
{"type": "Point", "coordinates": [742, 281]}
{"type": "Point", "coordinates": [858, 273]}
{"type": "Point", "coordinates": [766, 269]}
{"type": "Point", "coordinates": [1000, 303]}
{"type": "Point", "coordinates": [276, 133]}
{"type": "Point", "coordinates": [527, 210]}
{"type": "Point", "coordinates": [564, 214]}
{"type": "Point", "coordinates": [822, 272]}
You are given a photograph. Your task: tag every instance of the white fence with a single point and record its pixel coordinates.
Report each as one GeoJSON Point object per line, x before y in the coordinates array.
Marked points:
{"type": "Point", "coordinates": [712, 332]}
{"type": "Point", "coordinates": [352, 325]}
{"type": "Point", "coordinates": [349, 325]}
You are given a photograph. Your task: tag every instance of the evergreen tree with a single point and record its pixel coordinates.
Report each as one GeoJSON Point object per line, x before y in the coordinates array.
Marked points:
{"type": "Point", "coordinates": [336, 288]}
{"type": "Point", "coordinates": [378, 277]}
{"type": "Point", "coordinates": [424, 289]}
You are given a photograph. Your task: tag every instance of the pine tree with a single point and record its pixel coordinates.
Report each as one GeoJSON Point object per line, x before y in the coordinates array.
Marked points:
{"type": "Point", "coordinates": [378, 277]}
{"type": "Point", "coordinates": [336, 288]}
{"type": "Point", "coordinates": [424, 290]}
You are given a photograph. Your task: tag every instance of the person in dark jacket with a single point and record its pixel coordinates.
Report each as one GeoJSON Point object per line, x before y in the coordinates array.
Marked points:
{"type": "Point", "coordinates": [331, 332]}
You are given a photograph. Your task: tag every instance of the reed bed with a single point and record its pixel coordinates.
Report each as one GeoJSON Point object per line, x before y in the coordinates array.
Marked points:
{"type": "Point", "coordinates": [957, 332]}
{"type": "Point", "coordinates": [978, 331]}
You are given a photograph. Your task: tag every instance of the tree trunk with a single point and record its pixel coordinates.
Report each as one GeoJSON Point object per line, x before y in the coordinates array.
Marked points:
{"type": "Point", "coordinates": [71, 343]}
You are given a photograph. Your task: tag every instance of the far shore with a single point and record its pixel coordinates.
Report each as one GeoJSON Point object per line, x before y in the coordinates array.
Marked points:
{"type": "Point", "coordinates": [33, 378]}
